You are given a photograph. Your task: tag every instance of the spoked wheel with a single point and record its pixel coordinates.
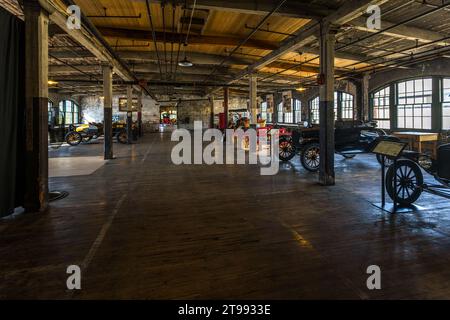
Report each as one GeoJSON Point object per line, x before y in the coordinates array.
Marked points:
{"type": "Point", "coordinates": [73, 138]}
{"type": "Point", "coordinates": [122, 137]}
{"type": "Point", "coordinates": [409, 181]}
{"type": "Point", "coordinates": [287, 150]}
{"type": "Point", "coordinates": [387, 161]}
{"type": "Point", "coordinates": [310, 157]}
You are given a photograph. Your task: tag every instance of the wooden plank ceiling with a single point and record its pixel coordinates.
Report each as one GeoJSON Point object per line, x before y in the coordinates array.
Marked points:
{"type": "Point", "coordinates": [218, 27]}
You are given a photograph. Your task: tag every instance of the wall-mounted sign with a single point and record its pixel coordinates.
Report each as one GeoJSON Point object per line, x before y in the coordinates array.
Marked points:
{"type": "Point", "coordinates": [287, 101]}
{"type": "Point", "coordinates": [123, 105]}
{"type": "Point", "coordinates": [270, 103]}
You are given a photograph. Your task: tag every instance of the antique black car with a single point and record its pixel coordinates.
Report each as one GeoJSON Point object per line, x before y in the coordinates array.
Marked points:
{"type": "Point", "coordinates": [409, 178]}
{"type": "Point", "coordinates": [351, 138]}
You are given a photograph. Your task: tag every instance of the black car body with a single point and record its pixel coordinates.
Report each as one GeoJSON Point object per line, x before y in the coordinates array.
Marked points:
{"type": "Point", "coordinates": [351, 138]}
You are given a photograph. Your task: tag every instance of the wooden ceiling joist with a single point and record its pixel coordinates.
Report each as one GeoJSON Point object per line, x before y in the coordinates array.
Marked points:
{"type": "Point", "coordinates": [143, 35]}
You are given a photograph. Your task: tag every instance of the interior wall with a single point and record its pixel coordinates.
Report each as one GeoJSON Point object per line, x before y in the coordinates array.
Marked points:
{"type": "Point", "coordinates": [438, 67]}
{"type": "Point", "coordinates": [92, 109]}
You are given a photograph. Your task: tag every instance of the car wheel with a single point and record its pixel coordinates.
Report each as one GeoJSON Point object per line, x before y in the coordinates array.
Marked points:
{"type": "Point", "coordinates": [122, 137]}
{"type": "Point", "coordinates": [310, 157]}
{"type": "Point", "coordinates": [287, 150]}
{"type": "Point", "coordinates": [73, 138]}
{"type": "Point", "coordinates": [409, 181]}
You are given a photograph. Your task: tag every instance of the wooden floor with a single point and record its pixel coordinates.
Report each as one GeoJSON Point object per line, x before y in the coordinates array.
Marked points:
{"type": "Point", "coordinates": [143, 228]}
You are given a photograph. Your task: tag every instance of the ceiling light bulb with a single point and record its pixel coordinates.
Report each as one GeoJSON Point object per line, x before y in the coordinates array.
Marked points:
{"type": "Point", "coordinates": [185, 63]}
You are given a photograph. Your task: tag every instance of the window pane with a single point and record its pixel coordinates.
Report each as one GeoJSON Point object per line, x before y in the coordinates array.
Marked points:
{"type": "Point", "coordinates": [380, 108]}
{"type": "Point", "coordinates": [414, 107]}
{"type": "Point", "coordinates": [314, 109]}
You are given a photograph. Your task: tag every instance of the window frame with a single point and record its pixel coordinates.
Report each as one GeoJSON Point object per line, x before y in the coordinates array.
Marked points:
{"type": "Point", "coordinates": [314, 106]}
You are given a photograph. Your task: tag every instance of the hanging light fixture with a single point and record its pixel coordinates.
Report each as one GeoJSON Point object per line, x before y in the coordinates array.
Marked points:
{"type": "Point", "coordinates": [185, 62]}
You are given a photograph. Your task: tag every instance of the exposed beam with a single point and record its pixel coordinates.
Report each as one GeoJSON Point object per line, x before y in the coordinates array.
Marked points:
{"type": "Point", "coordinates": [142, 35]}
{"type": "Point", "coordinates": [88, 37]}
{"type": "Point", "coordinates": [349, 11]}
{"type": "Point", "coordinates": [403, 32]}
{"type": "Point", "coordinates": [293, 9]}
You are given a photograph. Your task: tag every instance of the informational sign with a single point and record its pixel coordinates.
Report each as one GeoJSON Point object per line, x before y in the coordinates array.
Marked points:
{"type": "Point", "coordinates": [123, 105]}
{"type": "Point", "coordinates": [287, 101]}
{"type": "Point", "coordinates": [389, 149]}
{"type": "Point", "coordinates": [270, 103]}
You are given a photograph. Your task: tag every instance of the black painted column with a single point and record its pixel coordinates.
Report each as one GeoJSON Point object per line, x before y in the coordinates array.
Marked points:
{"type": "Point", "coordinates": [327, 139]}
{"type": "Point", "coordinates": [36, 86]}
{"type": "Point", "coordinates": [130, 114]}
{"type": "Point", "coordinates": [211, 121]}
{"type": "Point", "coordinates": [107, 112]}
{"type": "Point", "coordinates": [226, 97]}
{"type": "Point", "coordinates": [141, 131]}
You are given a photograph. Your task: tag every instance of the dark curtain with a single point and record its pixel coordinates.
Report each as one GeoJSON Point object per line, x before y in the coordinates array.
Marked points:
{"type": "Point", "coordinates": [11, 112]}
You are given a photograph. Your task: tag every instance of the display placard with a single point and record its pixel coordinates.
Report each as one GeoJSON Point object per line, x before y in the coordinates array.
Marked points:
{"type": "Point", "coordinates": [123, 105]}
{"type": "Point", "coordinates": [287, 101]}
{"type": "Point", "coordinates": [390, 149]}
{"type": "Point", "coordinates": [270, 103]}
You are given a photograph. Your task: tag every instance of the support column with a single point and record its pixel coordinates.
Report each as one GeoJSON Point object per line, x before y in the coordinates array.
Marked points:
{"type": "Point", "coordinates": [107, 112]}
{"type": "Point", "coordinates": [211, 121]}
{"type": "Point", "coordinates": [141, 130]}
{"type": "Point", "coordinates": [36, 86]}
{"type": "Point", "coordinates": [130, 114]}
{"type": "Point", "coordinates": [253, 98]}
{"type": "Point", "coordinates": [365, 107]}
{"type": "Point", "coordinates": [327, 148]}
{"type": "Point", "coordinates": [226, 94]}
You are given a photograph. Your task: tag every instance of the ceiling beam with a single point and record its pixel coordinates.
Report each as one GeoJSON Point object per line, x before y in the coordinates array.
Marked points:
{"type": "Point", "coordinates": [143, 35]}
{"type": "Point", "coordinates": [402, 31]}
{"type": "Point", "coordinates": [293, 8]}
{"type": "Point", "coordinates": [347, 12]}
{"type": "Point", "coordinates": [89, 38]}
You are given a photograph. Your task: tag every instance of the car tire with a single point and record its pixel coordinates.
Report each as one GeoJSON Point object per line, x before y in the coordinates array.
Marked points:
{"type": "Point", "coordinates": [287, 150]}
{"type": "Point", "coordinates": [73, 138]}
{"type": "Point", "coordinates": [122, 137]}
{"type": "Point", "coordinates": [410, 180]}
{"type": "Point", "coordinates": [310, 157]}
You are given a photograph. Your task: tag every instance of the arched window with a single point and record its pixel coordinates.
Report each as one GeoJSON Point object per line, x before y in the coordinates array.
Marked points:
{"type": "Point", "coordinates": [446, 104]}
{"type": "Point", "coordinates": [347, 106]}
{"type": "Point", "coordinates": [264, 114]}
{"type": "Point", "coordinates": [280, 114]}
{"type": "Point", "coordinates": [69, 112]}
{"type": "Point", "coordinates": [297, 111]}
{"type": "Point", "coordinates": [343, 107]}
{"type": "Point", "coordinates": [294, 116]}
{"type": "Point", "coordinates": [381, 108]}
{"type": "Point", "coordinates": [414, 103]}
{"type": "Point", "coordinates": [314, 110]}
{"type": "Point", "coordinates": [51, 113]}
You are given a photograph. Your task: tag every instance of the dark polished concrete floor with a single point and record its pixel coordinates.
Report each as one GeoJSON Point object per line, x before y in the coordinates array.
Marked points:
{"type": "Point", "coordinates": [143, 228]}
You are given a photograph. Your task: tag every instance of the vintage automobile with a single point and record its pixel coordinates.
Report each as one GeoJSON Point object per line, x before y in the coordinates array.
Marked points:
{"type": "Point", "coordinates": [351, 138]}
{"type": "Point", "coordinates": [81, 133]}
{"type": "Point", "coordinates": [86, 132]}
{"type": "Point", "coordinates": [405, 180]}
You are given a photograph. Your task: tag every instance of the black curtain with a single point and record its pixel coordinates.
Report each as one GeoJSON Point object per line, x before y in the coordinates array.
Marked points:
{"type": "Point", "coordinates": [12, 112]}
